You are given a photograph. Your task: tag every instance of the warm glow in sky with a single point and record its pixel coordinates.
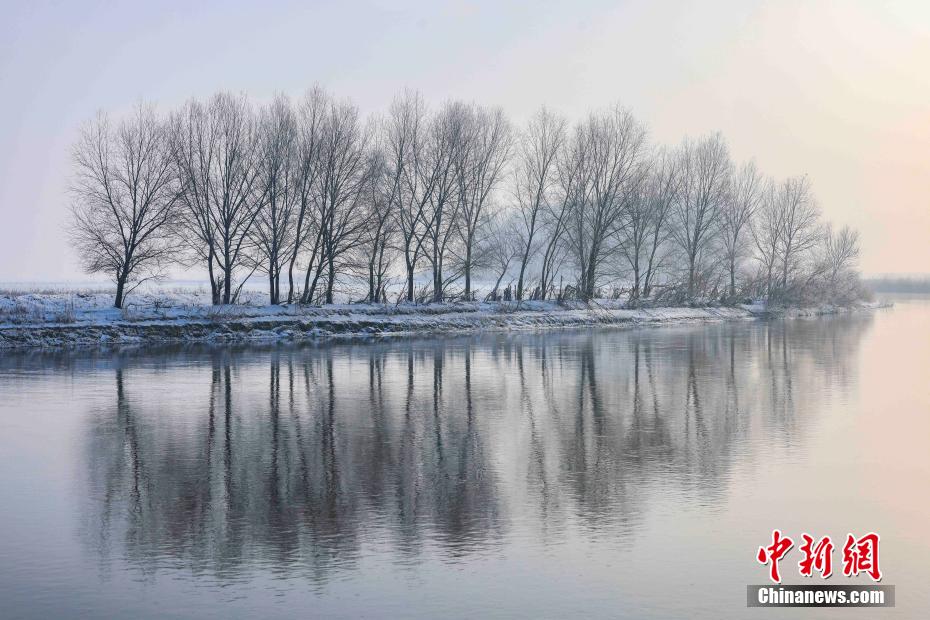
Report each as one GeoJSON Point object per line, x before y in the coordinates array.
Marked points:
{"type": "Point", "coordinates": [837, 90]}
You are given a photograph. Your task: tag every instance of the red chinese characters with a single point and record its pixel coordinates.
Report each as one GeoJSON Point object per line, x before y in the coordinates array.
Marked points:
{"type": "Point", "coordinates": [861, 556]}
{"type": "Point", "coordinates": [817, 557]}
{"type": "Point", "coordinates": [773, 553]}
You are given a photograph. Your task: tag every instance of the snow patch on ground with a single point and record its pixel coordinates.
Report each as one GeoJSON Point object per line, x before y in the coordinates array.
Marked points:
{"type": "Point", "coordinates": [86, 318]}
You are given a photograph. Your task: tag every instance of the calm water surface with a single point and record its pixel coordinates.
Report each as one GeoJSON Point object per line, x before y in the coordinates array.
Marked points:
{"type": "Point", "coordinates": [601, 473]}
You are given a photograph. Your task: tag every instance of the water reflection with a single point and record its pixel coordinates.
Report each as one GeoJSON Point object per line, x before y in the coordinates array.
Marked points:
{"type": "Point", "coordinates": [303, 461]}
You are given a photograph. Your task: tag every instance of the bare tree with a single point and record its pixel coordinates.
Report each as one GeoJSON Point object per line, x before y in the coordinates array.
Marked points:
{"type": "Point", "coordinates": [644, 230]}
{"type": "Point", "coordinates": [555, 251]}
{"type": "Point", "coordinates": [555, 248]}
{"type": "Point", "coordinates": [841, 251]}
{"type": "Point", "coordinates": [479, 167]}
{"type": "Point", "coordinates": [413, 179]}
{"type": "Point", "coordinates": [339, 190]}
{"type": "Point", "coordinates": [125, 198]}
{"type": "Point", "coordinates": [502, 246]}
{"type": "Point", "coordinates": [632, 235]}
{"type": "Point", "coordinates": [193, 148]}
{"type": "Point", "coordinates": [380, 232]}
{"type": "Point", "coordinates": [800, 230]}
{"type": "Point", "coordinates": [835, 276]}
{"type": "Point", "coordinates": [215, 154]}
{"type": "Point", "coordinates": [445, 141]}
{"type": "Point", "coordinates": [741, 202]}
{"type": "Point", "coordinates": [663, 186]}
{"type": "Point", "coordinates": [311, 116]}
{"type": "Point", "coordinates": [705, 169]}
{"type": "Point", "coordinates": [535, 182]}
{"type": "Point", "coordinates": [277, 192]}
{"type": "Point", "coordinates": [766, 229]}
{"type": "Point", "coordinates": [601, 168]}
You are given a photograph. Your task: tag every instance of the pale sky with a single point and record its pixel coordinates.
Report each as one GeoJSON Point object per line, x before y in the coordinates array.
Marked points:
{"type": "Point", "coordinates": [837, 90]}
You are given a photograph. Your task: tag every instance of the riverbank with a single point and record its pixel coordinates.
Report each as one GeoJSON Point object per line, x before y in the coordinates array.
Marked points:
{"type": "Point", "coordinates": [53, 320]}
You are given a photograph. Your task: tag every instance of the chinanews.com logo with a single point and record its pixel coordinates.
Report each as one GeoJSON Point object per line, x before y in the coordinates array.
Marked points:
{"type": "Point", "coordinates": [860, 556]}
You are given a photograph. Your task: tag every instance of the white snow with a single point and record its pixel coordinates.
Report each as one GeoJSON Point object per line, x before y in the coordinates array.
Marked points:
{"type": "Point", "coordinates": [86, 317]}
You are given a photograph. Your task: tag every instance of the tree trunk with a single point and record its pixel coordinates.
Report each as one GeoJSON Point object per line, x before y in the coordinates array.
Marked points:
{"type": "Point", "coordinates": [768, 284]}
{"type": "Point", "coordinates": [497, 284]}
{"type": "Point", "coordinates": [636, 276]}
{"type": "Point", "coordinates": [588, 292]}
{"type": "Point", "coordinates": [437, 282]}
{"type": "Point", "coordinates": [227, 278]}
{"type": "Point", "coordinates": [120, 287]}
{"type": "Point", "coordinates": [732, 279]}
{"type": "Point", "coordinates": [690, 278]}
{"type": "Point", "coordinates": [784, 272]}
{"type": "Point", "coordinates": [409, 280]}
{"type": "Point", "coordinates": [310, 291]}
{"type": "Point", "coordinates": [330, 281]}
{"type": "Point", "coordinates": [215, 293]}
{"type": "Point", "coordinates": [468, 273]}
{"type": "Point", "coordinates": [526, 256]}
{"type": "Point", "coordinates": [379, 275]}
{"type": "Point", "coordinates": [290, 279]}
{"type": "Point", "coordinates": [305, 297]}
{"type": "Point", "coordinates": [371, 281]}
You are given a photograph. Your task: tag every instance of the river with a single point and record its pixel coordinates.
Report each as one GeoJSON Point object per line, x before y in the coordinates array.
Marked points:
{"type": "Point", "coordinates": [600, 473]}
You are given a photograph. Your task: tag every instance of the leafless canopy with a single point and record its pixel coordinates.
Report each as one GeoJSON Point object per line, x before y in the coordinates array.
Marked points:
{"type": "Point", "coordinates": [739, 207]}
{"type": "Point", "coordinates": [535, 185]}
{"type": "Point", "coordinates": [215, 151]}
{"type": "Point", "coordinates": [125, 199]}
{"type": "Point", "coordinates": [320, 200]}
{"type": "Point", "coordinates": [705, 170]}
{"type": "Point", "coordinates": [600, 174]}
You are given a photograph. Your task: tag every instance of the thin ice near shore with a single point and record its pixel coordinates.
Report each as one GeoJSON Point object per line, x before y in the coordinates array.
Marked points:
{"type": "Point", "coordinates": [52, 321]}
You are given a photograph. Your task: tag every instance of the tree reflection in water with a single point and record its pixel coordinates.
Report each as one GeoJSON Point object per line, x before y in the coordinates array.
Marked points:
{"type": "Point", "coordinates": [299, 461]}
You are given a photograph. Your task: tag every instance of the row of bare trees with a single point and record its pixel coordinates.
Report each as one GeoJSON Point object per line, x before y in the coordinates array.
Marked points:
{"type": "Point", "coordinates": [313, 197]}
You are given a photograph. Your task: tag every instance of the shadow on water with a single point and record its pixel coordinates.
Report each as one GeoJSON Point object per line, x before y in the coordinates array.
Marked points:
{"type": "Point", "coordinates": [301, 461]}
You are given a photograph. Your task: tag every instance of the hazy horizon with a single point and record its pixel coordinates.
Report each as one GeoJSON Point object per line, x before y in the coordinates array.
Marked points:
{"type": "Point", "coordinates": [833, 90]}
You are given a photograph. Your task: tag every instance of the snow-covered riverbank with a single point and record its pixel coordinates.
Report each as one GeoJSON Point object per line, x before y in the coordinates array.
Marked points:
{"type": "Point", "coordinates": [85, 319]}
